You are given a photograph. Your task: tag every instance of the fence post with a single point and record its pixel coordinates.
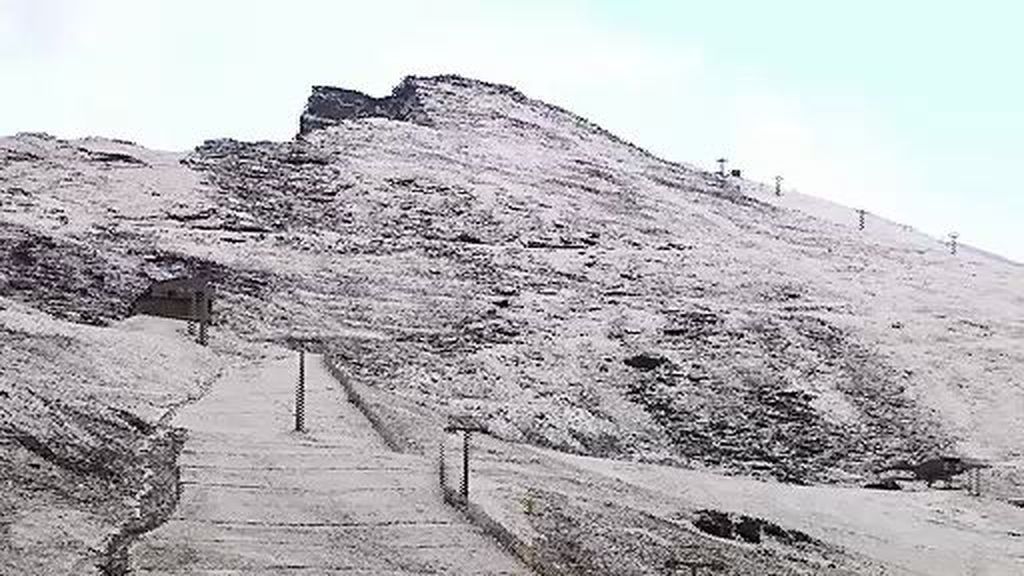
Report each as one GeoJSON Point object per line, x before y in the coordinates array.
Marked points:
{"type": "Point", "coordinates": [440, 464]}
{"type": "Point", "coordinates": [860, 218]}
{"type": "Point", "coordinates": [192, 316]}
{"type": "Point", "coordinates": [300, 395]}
{"type": "Point", "coordinates": [952, 242]}
{"type": "Point", "coordinates": [467, 426]}
{"type": "Point", "coordinates": [465, 466]}
{"type": "Point", "coordinates": [778, 185]}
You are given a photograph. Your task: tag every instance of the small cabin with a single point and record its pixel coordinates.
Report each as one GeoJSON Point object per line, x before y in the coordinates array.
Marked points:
{"type": "Point", "coordinates": [185, 298]}
{"type": "Point", "coordinates": [464, 422]}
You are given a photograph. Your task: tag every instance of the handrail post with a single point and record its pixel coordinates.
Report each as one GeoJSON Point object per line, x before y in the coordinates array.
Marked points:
{"type": "Point", "coordinates": [300, 395]}
{"type": "Point", "coordinates": [192, 315]}
{"type": "Point", "coordinates": [465, 466]}
{"type": "Point", "coordinates": [467, 426]}
{"type": "Point", "coordinates": [440, 465]}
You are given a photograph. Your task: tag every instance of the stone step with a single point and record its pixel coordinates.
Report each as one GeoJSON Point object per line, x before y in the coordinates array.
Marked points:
{"type": "Point", "coordinates": [352, 553]}
{"type": "Point", "coordinates": [449, 533]}
{"type": "Point", "coordinates": [216, 503]}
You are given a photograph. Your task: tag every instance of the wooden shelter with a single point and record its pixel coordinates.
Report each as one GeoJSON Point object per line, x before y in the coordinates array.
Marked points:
{"type": "Point", "coordinates": [185, 298]}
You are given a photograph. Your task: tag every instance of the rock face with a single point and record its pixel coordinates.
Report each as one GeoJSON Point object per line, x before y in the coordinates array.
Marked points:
{"type": "Point", "coordinates": [84, 450]}
{"type": "Point", "coordinates": [328, 105]}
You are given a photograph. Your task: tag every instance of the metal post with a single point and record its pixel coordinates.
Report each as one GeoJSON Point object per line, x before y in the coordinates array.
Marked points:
{"type": "Point", "coordinates": [778, 185]}
{"type": "Point", "coordinates": [467, 426]}
{"type": "Point", "coordinates": [444, 482]}
{"type": "Point", "coordinates": [860, 218]}
{"type": "Point", "coordinates": [192, 316]}
{"type": "Point", "coordinates": [465, 466]}
{"type": "Point", "coordinates": [300, 395]}
{"type": "Point", "coordinates": [952, 242]}
{"type": "Point", "coordinates": [202, 332]}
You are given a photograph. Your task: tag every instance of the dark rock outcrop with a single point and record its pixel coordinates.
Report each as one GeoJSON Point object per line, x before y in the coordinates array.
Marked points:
{"type": "Point", "coordinates": [747, 528]}
{"type": "Point", "coordinates": [644, 361]}
{"type": "Point", "coordinates": [328, 106]}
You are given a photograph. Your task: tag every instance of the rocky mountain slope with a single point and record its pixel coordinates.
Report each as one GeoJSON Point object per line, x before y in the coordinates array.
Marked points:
{"type": "Point", "coordinates": [85, 455]}
{"type": "Point", "coordinates": [469, 249]}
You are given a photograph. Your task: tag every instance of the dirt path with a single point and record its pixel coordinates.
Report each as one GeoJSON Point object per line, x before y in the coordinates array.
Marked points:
{"type": "Point", "coordinates": [257, 498]}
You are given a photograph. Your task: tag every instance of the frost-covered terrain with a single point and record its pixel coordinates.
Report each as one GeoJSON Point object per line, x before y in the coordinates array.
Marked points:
{"type": "Point", "coordinates": [466, 249]}
{"type": "Point", "coordinates": [84, 452]}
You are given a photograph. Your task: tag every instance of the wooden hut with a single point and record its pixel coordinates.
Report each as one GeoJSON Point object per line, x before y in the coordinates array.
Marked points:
{"type": "Point", "coordinates": [186, 298]}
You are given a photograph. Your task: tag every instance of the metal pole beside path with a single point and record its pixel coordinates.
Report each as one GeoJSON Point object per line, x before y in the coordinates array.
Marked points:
{"type": "Point", "coordinates": [467, 426]}
{"type": "Point", "coordinates": [300, 395]}
{"type": "Point", "coordinates": [465, 465]}
{"type": "Point", "coordinates": [192, 316]}
{"type": "Point", "coordinates": [441, 474]}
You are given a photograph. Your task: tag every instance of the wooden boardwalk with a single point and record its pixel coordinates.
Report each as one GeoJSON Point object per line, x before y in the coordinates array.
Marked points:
{"type": "Point", "coordinates": [258, 498]}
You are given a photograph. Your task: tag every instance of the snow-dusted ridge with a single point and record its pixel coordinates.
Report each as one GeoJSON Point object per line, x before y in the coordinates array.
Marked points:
{"type": "Point", "coordinates": [329, 105]}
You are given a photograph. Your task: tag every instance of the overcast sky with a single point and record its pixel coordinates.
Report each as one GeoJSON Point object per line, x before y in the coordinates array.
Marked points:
{"type": "Point", "coordinates": [912, 110]}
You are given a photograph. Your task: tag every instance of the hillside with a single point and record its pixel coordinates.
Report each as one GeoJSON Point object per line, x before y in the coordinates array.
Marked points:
{"type": "Point", "coordinates": [465, 248]}
{"type": "Point", "coordinates": [85, 454]}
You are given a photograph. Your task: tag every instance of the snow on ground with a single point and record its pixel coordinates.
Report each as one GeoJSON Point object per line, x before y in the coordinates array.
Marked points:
{"type": "Point", "coordinates": [79, 413]}
{"type": "Point", "coordinates": [915, 532]}
{"type": "Point", "coordinates": [145, 365]}
{"type": "Point", "coordinates": [509, 259]}
{"type": "Point", "coordinates": [848, 530]}
{"type": "Point", "coordinates": [72, 187]}
{"type": "Point", "coordinates": [948, 319]}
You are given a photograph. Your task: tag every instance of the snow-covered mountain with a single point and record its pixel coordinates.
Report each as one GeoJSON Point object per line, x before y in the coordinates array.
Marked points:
{"type": "Point", "coordinates": [463, 248]}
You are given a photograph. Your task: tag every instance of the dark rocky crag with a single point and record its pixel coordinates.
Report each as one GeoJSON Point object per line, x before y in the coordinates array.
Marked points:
{"type": "Point", "coordinates": [328, 105]}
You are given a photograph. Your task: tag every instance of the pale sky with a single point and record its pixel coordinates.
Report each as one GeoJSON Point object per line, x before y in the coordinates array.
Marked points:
{"type": "Point", "coordinates": [913, 110]}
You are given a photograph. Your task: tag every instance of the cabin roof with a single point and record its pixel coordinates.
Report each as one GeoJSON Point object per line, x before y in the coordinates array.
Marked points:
{"type": "Point", "coordinates": [196, 282]}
